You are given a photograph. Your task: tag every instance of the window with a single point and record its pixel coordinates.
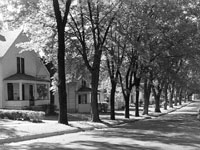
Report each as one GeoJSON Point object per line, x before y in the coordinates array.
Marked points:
{"type": "Point", "coordinates": [42, 92]}
{"type": "Point", "coordinates": [83, 83]}
{"type": "Point", "coordinates": [13, 91]}
{"type": "Point", "coordinates": [82, 99]}
{"type": "Point", "coordinates": [20, 65]}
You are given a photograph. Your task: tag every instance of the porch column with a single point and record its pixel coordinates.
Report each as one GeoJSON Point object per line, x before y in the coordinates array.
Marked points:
{"type": "Point", "coordinates": [48, 88]}
{"type": "Point", "coordinates": [20, 91]}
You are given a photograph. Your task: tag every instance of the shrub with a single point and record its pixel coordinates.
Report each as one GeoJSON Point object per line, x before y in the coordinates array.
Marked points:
{"type": "Point", "coordinates": [34, 116]}
{"type": "Point", "coordinates": [49, 109]}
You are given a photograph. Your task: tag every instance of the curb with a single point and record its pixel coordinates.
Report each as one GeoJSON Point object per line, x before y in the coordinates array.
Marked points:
{"type": "Point", "coordinates": [31, 137]}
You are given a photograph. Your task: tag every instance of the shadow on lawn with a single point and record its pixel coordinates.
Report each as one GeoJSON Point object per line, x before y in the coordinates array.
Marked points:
{"type": "Point", "coordinates": [6, 132]}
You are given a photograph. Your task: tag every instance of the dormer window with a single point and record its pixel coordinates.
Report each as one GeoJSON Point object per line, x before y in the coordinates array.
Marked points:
{"type": "Point", "coordinates": [20, 65]}
{"type": "Point", "coordinates": [83, 83]}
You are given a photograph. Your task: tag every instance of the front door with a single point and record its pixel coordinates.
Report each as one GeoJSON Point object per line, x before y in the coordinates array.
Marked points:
{"type": "Point", "coordinates": [31, 97]}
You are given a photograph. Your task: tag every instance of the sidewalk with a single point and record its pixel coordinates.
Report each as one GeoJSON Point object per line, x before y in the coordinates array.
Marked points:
{"type": "Point", "coordinates": [14, 131]}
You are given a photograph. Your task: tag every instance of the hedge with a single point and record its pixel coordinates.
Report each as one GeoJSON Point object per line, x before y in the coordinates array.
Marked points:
{"type": "Point", "coordinates": [47, 108]}
{"type": "Point", "coordinates": [34, 116]}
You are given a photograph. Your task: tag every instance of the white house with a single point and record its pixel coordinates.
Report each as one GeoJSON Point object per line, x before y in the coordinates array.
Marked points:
{"type": "Point", "coordinates": [79, 96]}
{"type": "Point", "coordinates": [24, 80]}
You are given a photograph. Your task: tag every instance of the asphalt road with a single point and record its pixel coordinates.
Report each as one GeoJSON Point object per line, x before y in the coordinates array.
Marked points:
{"type": "Point", "coordinates": [179, 130]}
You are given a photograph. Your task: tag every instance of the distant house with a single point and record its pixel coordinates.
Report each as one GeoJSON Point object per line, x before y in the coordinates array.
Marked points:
{"type": "Point", "coordinates": [79, 96]}
{"type": "Point", "coordinates": [24, 80]}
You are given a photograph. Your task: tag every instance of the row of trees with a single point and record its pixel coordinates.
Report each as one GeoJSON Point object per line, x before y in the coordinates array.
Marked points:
{"type": "Point", "coordinates": [132, 42]}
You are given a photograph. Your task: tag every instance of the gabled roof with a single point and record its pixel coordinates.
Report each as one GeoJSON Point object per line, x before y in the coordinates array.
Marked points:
{"type": "Point", "coordinates": [10, 37]}
{"type": "Point", "coordinates": [84, 89]}
{"type": "Point", "coordinates": [2, 38]}
{"type": "Point", "coordinates": [20, 76]}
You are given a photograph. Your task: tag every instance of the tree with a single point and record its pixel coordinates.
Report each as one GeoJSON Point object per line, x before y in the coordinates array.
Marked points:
{"type": "Point", "coordinates": [90, 23]}
{"type": "Point", "coordinates": [129, 29]}
{"type": "Point", "coordinates": [61, 23]}
{"type": "Point", "coordinates": [114, 58]}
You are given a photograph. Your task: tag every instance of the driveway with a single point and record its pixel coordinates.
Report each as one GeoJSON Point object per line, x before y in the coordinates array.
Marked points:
{"type": "Point", "coordinates": [178, 130]}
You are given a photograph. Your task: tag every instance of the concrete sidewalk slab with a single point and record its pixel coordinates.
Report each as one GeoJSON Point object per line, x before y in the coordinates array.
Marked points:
{"type": "Point", "coordinates": [12, 132]}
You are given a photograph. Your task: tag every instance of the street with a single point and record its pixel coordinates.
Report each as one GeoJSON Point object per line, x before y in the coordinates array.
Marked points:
{"type": "Point", "coordinates": [178, 130]}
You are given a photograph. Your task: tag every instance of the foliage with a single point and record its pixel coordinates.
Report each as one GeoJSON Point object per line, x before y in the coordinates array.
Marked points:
{"type": "Point", "coordinates": [34, 116]}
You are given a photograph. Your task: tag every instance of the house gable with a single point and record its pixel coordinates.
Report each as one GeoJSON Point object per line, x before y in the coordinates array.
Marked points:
{"type": "Point", "coordinates": [32, 64]}
{"type": "Point", "coordinates": [10, 38]}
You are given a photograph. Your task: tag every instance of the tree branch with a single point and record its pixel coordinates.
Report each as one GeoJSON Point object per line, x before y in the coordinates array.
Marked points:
{"type": "Point", "coordinates": [92, 24]}
{"type": "Point", "coordinates": [57, 12]}
{"type": "Point", "coordinates": [67, 8]}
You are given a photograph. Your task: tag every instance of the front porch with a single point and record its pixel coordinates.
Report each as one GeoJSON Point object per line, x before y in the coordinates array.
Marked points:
{"type": "Point", "coordinates": [20, 92]}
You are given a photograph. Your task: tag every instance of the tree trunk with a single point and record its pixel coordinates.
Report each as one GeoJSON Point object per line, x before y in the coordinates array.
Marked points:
{"type": "Point", "coordinates": [171, 99]}
{"type": "Point", "coordinates": [147, 93]}
{"type": "Point", "coordinates": [166, 96]}
{"type": "Point", "coordinates": [185, 98]}
{"type": "Point", "coordinates": [157, 100]}
{"type": "Point", "coordinates": [157, 103]}
{"type": "Point", "coordinates": [188, 97]}
{"type": "Point", "coordinates": [112, 100]}
{"type": "Point", "coordinates": [180, 97]}
{"type": "Point", "coordinates": [127, 115]}
{"type": "Point", "coordinates": [176, 97]}
{"type": "Point", "coordinates": [61, 76]}
{"type": "Point", "coordinates": [126, 92]}
{"type": "Point", "coordinates": [137, 91]}
{"type": "Point", "coordinates": [94, 99]}
{"type": "Point", "coordinates": [171, 95]}
{"type": "Point", "coordinates": [61, 23]}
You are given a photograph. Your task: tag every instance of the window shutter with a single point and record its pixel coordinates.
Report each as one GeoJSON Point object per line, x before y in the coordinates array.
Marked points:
{"type": "Point", "coordinates": [22, 65]}
{"type": "Point", "coordinates": [85, 98]}
{"type": "Point", "coordinates": [79, 99]}
{"type": "Point", "coordinates": [10, 91]}
{"type": "Point", "coordinates": [23, 92]}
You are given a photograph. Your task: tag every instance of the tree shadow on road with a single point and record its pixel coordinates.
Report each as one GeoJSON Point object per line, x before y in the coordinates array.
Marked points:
{"type": "Point", "coordinates": [182, 131]}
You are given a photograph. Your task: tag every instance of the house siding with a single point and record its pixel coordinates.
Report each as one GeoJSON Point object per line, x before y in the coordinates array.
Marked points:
{"type": "Point", "coordinates": [1, 85]}
{"type": "Point", "coordinates": [71, 97]}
